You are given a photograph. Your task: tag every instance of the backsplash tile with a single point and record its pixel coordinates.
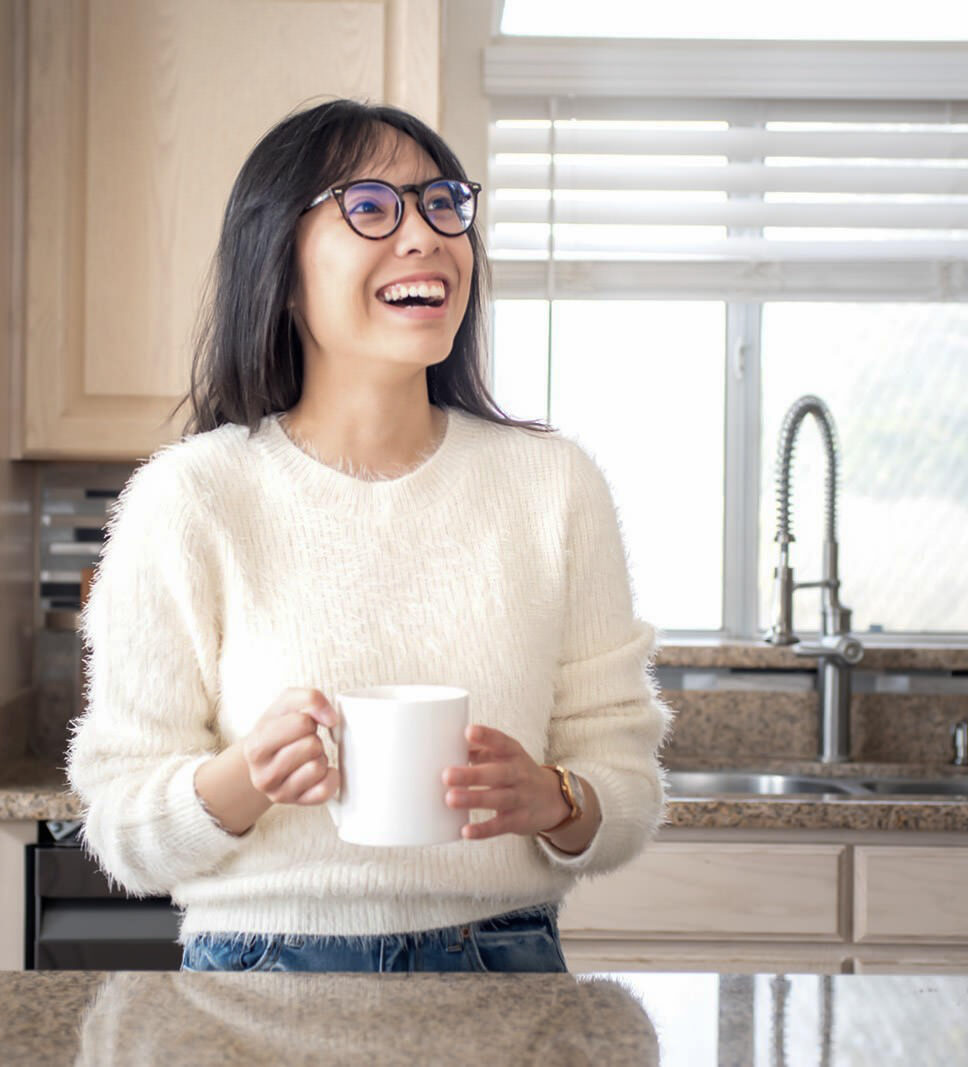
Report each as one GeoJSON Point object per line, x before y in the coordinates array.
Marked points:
{"type": "Point", "coordinates": [74, 498]}
{"type": "Point", "coordinates": [893, 718]}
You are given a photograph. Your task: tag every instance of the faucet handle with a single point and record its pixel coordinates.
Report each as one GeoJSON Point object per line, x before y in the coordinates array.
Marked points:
{"type": "Point", "coordinates": [841, 647]}
{"type": "Point", "coordinates": [959, 734]}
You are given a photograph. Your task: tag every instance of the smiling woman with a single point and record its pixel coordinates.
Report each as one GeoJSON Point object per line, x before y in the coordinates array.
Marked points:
{"type": "Point", "coordinates": [337, 214]}
{"type": "Point", "coordinates": [247, 580]}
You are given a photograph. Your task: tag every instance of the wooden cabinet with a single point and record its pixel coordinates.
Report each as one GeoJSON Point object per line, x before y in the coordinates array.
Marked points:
{"type": "Point", "coordinates": [747, 902]}
{"type": "Point", "coordinates": [911, 894]}
{"type": "Point", "coordinates": [15, 835]}
{"type": "Point", "coordinates": [139, 114]}
{"type": "Point", "coordinates": [721, 891]}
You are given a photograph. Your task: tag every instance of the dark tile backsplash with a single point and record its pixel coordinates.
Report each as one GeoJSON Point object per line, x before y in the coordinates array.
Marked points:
{"type": "Point", "coordinates": [74, 498]}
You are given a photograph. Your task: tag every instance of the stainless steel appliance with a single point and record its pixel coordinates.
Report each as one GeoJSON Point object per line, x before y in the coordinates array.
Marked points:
{"type": "Point", "coordinates": [75, 921]}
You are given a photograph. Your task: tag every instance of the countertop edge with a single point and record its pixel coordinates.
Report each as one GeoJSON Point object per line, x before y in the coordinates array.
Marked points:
{"type": "Point", "coordinates": [736, 653]}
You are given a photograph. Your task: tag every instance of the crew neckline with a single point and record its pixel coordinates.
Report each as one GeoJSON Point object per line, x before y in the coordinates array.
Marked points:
{"type": "Point", "coordinates": [416, 488]}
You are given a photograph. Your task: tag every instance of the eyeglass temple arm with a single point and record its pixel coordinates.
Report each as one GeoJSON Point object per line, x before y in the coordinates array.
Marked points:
{"type": "Point", "coordinates": [316, 201]}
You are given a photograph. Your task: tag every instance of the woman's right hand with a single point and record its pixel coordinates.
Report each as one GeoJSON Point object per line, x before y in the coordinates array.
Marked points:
{"type": "Point", "coordinates": [284, 754]}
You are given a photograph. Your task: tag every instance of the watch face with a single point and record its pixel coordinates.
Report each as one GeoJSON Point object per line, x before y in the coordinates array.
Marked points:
{"type": "Point", "coordinates": [577, 790]}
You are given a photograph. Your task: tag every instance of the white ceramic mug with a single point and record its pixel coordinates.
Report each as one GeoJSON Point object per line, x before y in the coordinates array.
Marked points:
{"type": "Point", "coordinates": [395, 742]}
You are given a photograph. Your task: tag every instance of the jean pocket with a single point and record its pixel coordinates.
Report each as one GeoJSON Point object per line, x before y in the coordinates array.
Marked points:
{"type": "Point", "coordinates": [252, 954]}
{"type": "Point", "coordinates": [532, 949]}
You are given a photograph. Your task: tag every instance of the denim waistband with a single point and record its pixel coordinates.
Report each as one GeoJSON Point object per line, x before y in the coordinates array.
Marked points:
{"type": "Point", "coordinates": [532, 912]}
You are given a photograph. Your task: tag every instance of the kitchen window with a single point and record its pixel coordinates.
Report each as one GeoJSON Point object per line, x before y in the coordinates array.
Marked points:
{"type": "Point", "coordinates": [687, 235]}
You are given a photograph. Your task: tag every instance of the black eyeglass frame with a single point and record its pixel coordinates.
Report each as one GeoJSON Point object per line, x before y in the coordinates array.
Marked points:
{"type": "Point", "coordinates": [337, 191]}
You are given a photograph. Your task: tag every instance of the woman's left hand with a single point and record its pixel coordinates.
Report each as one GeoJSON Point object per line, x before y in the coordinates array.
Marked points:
{"type": "Point", "coordinates": [525, 795]}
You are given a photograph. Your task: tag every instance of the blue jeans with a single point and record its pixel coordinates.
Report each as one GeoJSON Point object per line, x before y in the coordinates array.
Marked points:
{"type": "Point", "coordinates": [524, 940]}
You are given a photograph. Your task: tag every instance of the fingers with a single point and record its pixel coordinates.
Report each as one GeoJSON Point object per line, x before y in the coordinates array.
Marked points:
{"type": "Point", "coordinates": [269, 772]}
{"type": "Point", "coordinates": [310, 701]}
{"type": "Point", "coordinates": [489, 800]}
{"type": "Point", "coordinates": [495, 741]}
{"type": "Point", "coordinates": [285, 754]}
{"type": "Point", "coordinates": [487, 774]}
{"type": "Point", "coordinates": [275, 732]}
{"type": "Point", "coordinates": [310, 785]}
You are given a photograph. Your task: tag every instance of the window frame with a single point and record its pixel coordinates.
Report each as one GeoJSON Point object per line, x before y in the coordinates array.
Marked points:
{"type": "Point", "coordinates": [753, 70]}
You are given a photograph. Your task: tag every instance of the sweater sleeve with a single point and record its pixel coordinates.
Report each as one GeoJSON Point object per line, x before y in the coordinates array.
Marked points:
{"type": "Point", "coordinates": [150, 632]}
{"type": "Point", "coordinates": [608, 721]}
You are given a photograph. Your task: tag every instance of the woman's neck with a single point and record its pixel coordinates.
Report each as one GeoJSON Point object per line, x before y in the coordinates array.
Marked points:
{"type": "Point", "coordinates": [369, 458]}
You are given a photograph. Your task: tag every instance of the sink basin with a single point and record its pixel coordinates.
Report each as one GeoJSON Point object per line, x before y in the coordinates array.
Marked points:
{"type": "Point", "coordinates": [718, 783]}
{"type": "Point", "coordinates": [916, 786]}
{"type": "Point", "coordinates": [715, 783]}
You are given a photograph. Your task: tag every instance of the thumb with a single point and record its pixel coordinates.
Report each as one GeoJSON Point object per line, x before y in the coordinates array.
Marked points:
{"type": "Point", "coordinates": [326, 714]}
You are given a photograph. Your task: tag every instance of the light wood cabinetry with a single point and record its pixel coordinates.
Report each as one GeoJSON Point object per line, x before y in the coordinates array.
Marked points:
{"type": "Point", "coordinates": [911, 894]}
{"type": "Point", "coordinates": [15, 835]}
{"type": "Point", "coordinates": [776, 902]}
{"type": "Point", "coordinates": [722, 891]}
{"type": "Point", "coordinates": [138, 115]}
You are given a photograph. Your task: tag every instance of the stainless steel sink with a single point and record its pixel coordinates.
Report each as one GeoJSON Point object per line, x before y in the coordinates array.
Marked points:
{"type": "Point", "coordinates": [715, 783]}
{"type": "Point", "coordinates": [916, 786]}
{"type": "Point", "coordinates": [749, 783]}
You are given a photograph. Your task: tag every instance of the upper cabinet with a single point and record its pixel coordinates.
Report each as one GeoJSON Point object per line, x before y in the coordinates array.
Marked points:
{"type": "Point", "coordinates": [138, 115]}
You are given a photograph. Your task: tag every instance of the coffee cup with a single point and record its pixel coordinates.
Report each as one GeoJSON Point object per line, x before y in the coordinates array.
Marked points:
{"type": "Point", "coordinates": [394, 744]}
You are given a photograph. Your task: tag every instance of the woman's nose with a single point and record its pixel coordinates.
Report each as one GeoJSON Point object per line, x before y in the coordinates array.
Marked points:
{"type": "Point", "coordinates": [414, 232]}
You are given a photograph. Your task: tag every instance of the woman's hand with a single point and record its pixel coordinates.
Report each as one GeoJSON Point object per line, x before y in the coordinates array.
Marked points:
{"type": "Point", "coordinates": [525, 795]}
{"type": "Point", "coordinates": [284, 753]}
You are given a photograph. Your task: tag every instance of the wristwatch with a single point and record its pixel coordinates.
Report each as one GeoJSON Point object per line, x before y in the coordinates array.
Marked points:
{"type": "Point", "coordinates": [573, 793]}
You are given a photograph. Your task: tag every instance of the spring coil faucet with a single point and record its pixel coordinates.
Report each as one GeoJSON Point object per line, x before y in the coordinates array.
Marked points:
{"type": "Point", "coordinates": [835, 649]}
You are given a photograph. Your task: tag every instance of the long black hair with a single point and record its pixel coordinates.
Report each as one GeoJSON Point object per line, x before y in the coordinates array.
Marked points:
{"type": "Point", "coordinates": [248, 359]}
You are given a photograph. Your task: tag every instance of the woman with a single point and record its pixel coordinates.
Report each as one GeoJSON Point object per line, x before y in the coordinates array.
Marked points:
{"type": "Point", "coordinates": [351, 508]}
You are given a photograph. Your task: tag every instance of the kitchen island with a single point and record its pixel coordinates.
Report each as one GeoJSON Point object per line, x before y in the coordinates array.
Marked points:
{"type": "Point", "coordinates": [169, 1018]}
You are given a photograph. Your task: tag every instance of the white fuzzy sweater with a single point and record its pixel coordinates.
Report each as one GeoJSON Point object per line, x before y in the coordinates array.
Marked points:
{"type": "Point", "coordinates": [237, 565]}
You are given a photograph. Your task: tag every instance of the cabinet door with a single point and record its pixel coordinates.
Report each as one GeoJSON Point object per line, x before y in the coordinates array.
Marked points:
{"type": "Point", "coordinates": [15, 835]}
{"type": "Point", "coordinates": [912, 893]}
{"type": "Point", "coordinates": [139, 115]}
{"type": "Point", "coordinates": [711, 891]}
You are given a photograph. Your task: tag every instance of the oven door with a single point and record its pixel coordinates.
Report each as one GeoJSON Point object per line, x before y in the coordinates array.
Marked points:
{"type": "Point", "coordinates": [76, 922]}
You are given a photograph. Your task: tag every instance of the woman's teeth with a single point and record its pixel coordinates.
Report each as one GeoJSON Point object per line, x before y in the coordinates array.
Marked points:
{"type": "Point", "coordinates": [431, 291]}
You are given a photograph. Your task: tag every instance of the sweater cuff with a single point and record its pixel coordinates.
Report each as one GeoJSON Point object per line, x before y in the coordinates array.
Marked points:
{"type": "Point", "coordinates": [570, 859]}
{"type": "Point", "coordinates": [195, 831]}
{"type": "Point", "coordinates": [625, 825]}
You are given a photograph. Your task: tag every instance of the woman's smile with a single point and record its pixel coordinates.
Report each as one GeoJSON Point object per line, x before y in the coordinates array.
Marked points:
{"type": "Point", "coordinates": [417, 297]}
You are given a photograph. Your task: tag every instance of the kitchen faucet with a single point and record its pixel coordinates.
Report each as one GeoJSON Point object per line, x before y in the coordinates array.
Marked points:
{"type": "Point", "coordinates": [835, 649]}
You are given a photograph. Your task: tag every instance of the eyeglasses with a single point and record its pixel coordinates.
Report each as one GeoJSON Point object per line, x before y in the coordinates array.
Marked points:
{"type": "Point", "coordinates": [374, 209]}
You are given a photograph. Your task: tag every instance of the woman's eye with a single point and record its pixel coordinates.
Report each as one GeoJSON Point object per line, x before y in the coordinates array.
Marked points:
{"type": "Point", "coordinates": [365, 207]}
{"type": "Point", "coordinates": [441, 203]}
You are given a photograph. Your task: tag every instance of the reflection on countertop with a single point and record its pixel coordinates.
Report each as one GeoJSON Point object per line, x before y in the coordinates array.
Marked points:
{"type": "Point", "coordinates": [144, 1018]}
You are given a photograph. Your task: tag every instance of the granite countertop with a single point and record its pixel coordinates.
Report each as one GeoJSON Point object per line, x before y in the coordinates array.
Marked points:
{"type": "Point", "coordinates": [30, 789]}
{"type": "Point", "coordinates": [142, 1018]}
{"type": "Point", "coordinates": [878, 655]}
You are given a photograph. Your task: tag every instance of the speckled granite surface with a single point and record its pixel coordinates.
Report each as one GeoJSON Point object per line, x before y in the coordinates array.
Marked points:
{"type": "Point", "coordinates": [32, 789]}
{"type": "Point", "coordinates": [141, 1018]}
{"type": "Point", "coordinates": [708, 653]}
{"type": "Point", "coordinates": [48, 798]}
{"type": "Point", "coordinates": [758, 724]}
{"type": "Point", "coordinates": [820, 812]}
{"type": "Point", "coordinates": [95, 1019]}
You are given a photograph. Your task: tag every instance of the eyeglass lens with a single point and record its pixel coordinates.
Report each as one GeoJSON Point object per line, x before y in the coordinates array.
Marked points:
{"type": "Point", "coordinates": [373, 208]}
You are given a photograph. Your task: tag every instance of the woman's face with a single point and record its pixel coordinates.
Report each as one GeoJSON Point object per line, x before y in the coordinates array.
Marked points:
{"type": "Point", "coordinates": [341, 276]}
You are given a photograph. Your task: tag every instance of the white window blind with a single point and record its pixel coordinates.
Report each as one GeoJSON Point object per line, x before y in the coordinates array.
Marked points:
{"type": "Point", "coordinates": [750, 198]}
